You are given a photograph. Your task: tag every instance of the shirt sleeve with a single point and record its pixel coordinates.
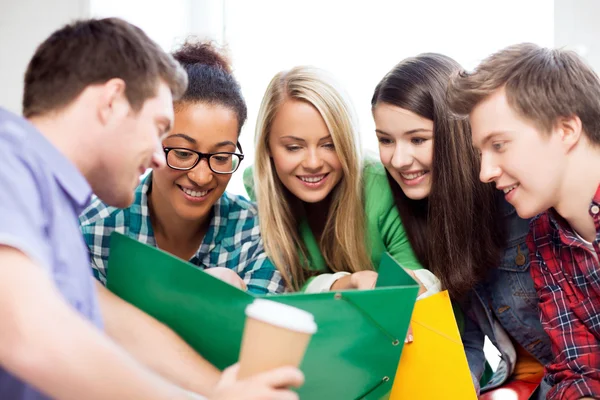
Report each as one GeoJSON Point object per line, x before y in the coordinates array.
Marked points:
{"type": "Point", "coordinates": [473, 340]}
{"type": "Point", "coordinates": [258, 271]}
{"type": "Point", "coordinates": [575, 370]}
{"type": "Point", "coordinates": [96, 241]}
{"type": "Point", "coordinates": [380, 205]}
{"type": "Point", "coordinates": [22, 224]}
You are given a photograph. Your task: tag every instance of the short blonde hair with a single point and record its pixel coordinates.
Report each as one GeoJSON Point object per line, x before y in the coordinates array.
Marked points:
{"type": "Point", "coordinates": [343, 242]}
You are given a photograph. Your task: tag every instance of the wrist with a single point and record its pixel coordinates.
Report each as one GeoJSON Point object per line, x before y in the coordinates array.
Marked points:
{"type": "Point", "coordinates": [342, 280]}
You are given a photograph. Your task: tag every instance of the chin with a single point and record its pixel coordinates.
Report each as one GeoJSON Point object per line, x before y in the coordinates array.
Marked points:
{"type": "Point", "coordinates": [416, 195]}
{"type": "Point", "coordinates": [310, 197]}
{"type": "Point", "coordinates": [527, 213]}
{"type": "Point", "coordinates": [123, 201]}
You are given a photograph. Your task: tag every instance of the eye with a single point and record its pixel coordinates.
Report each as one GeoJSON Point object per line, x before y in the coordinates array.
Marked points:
{"type": "Point", "coordinates": [292, 148]}
{"type": "Point", "coordinates": [182, 154]}
{"type": "Point", "coordinates": [221, 158]}
{"type": "Point", "coordinates": [384, 141]}
{"type": "Point", "coordinates": [498, 146]}
{"type": "Point", "coordinates": [417, 140]}
{"type": "Point", "coordinates": [330, 146]}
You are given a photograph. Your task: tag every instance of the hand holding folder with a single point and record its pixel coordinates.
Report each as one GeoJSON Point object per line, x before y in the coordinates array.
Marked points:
{"type": "Point", "coordinates": [354, 354]}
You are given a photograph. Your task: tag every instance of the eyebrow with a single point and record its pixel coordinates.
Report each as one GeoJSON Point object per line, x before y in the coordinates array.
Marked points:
{"type": "Point", "coordinates": [194, 141]}
{"type": "Point", "coordinates": [410, 132]}
{"type": "Point", "coordinates": [183, 136]}
{"type": "Point", "coordinates": [167, 122]}
{"type": "Point", "coordinates": [224, 143]}
{"type": "Point", "coordinates": [302, 140]}
{"type": "Point", "coordinates": [490, 136]}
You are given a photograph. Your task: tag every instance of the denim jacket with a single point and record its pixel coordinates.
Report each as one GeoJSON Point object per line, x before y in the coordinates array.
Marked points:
{"type": "Point", "coordinates": [505, 305]}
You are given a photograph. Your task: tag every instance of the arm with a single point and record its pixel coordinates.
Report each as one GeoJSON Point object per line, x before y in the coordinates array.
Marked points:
{"type": "Point", "coordinates": [257, 271]}
{"type": "Point", "coordinates": [155, 345]}
{"type": "Point", "coordinates": [383, 218]}
{"type": "Point", "coordinates": [575, 370]}
{"type": "Point", "coordinates": [473, 340]}
{"type": "Point", "coordinates": [269, 385]}
{"type": "Point", "coordinates": [396, 241]}
{"type": "Point", "coordinates": [46, 343]}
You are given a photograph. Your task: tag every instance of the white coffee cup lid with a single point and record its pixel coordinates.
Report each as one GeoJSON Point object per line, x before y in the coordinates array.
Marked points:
{"type": "Point", "coordinates": [282, 315]}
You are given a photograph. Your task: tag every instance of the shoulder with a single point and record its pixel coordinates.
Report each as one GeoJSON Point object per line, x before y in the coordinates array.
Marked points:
{"type": "Point", "coordinates": [238, 211]}
{"type": "Point", "coordinates": [248, 179]}
{"type": "Point", "coordinates": [377, 191]}
{"type": "Point", "coordinates": [16, 151]}
{"type": "Point", "coordinates": [373, 170]}
{"type": "Point", "coordinates": [97, 212]}
{"type": "Point", "coordinates": [541, 226]}
{"type": "Point", "coordinates": [236, 223]}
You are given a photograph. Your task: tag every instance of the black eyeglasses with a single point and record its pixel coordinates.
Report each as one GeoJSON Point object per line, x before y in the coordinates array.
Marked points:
{"type": "Point", "coordinates": [223, 162]}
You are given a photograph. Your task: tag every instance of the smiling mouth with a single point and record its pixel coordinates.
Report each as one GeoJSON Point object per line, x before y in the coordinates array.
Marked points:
{"type": "Point", "coordinates": [312, 179]}
{"type": "Point", "coordinates": [509, 189]}
{"type": "Point", "coordinates": [413, 175]}
{"type": "Point", "coordinates": [194, 193]}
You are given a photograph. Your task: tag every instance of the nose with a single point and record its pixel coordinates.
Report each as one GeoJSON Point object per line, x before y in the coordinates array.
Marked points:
{"type": "Point", "coordinates": [201, 173]}
{"type": "Point", "coordinates": [312, 160]}
{"type": "Point", "coordinates": [490, 171]}
{"type": "Point", "coordinates": [402, 157]}
{"type": "Point", "coordinates": [159, 159]}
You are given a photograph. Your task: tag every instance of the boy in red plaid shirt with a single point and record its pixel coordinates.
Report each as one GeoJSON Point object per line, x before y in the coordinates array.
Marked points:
{"type": "Point", "coordinates": [535, 117]}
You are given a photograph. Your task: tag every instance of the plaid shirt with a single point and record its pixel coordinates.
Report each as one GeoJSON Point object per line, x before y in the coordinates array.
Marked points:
{"type": "Point", "coordinates": [232, 240]}
{"type": "Point", "coordinates": [567, 279]}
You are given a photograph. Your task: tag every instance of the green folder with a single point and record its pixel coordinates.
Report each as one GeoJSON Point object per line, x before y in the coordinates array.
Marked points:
{"type": "Point", "coordinates": [353, 355]}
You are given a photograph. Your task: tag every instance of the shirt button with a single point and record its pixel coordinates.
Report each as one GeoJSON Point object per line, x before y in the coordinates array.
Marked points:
{"type": "Point", "coordinates": [595, 209]}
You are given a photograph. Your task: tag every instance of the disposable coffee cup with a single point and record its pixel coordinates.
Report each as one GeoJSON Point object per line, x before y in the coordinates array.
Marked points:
{"type": "Point", "coordinates": [275, 335]}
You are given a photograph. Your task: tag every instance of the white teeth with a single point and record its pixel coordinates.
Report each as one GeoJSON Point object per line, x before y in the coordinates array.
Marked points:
{"type": "Point", "coordinates": [413, 176]}
{"type": "Point", "coordinates": [508, 189]}
{"type": "Point", "coordinates": [312, 179]}
{"type": "Point", "coordinates": [193, 193]}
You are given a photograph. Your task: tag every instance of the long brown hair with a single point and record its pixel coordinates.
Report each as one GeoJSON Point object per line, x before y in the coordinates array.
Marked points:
{"type": "Point", "coordinates": [456, 232]}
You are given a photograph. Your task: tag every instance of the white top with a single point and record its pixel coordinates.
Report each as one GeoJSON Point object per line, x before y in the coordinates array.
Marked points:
{"type": "Point", "coordinates": [282, 315]}
{"type": "Point", "coordinates": [323, 282]}
{"type": "Point", "coordinates": [589, 245]}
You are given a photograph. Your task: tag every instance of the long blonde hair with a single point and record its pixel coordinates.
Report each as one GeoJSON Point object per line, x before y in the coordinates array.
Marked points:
{"type": "Point", "coordinates": [343, 242]}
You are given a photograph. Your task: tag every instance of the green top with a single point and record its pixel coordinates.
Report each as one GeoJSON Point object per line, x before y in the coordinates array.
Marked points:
{"type": "Point", "coordinates": [385, 232]}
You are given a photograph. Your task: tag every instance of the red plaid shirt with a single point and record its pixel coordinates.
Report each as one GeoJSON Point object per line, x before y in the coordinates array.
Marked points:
{"type": "Point", "coordinates": [567, 278]}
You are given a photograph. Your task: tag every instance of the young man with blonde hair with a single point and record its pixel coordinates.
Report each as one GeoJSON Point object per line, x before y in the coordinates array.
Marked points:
{"type": "Point", "coordinates": [535, 117]}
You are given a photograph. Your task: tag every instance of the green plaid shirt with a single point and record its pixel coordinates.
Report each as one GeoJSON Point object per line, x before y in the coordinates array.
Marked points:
{"type": "Point", "coordinates": [232, 240]}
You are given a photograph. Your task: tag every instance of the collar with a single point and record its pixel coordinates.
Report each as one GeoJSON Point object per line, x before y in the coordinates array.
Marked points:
{"type": "Point", "coordinates": [558, 223]}
{"type": "Point", "coordinates": [65, 172]}
{"type": "Point", "coordinates": [219, 220]}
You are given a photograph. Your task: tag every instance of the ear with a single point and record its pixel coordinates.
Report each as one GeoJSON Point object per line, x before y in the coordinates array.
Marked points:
{"type": "Point", "coordinates": [113, 104]}
{"type": "Point", "coordinates": [570, 131]}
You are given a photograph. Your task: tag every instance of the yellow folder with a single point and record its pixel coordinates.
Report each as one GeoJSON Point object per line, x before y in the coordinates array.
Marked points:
{"type": "Point", "coordinates": [434, 366]}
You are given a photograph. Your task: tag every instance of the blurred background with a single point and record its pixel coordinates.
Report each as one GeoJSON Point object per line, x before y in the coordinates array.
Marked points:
{"type": "Point", "coordinates": [357, 41]}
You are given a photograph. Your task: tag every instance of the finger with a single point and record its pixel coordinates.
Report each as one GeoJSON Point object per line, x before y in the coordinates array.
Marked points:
{"type": "Point", "coordinates": [409, 335]}
{"type": "Point", "coordinates": [229, 375]}
{"type": "Point", "coordinates": [285, 395]}
{"type": "Point", "coordinates": [282, 377]}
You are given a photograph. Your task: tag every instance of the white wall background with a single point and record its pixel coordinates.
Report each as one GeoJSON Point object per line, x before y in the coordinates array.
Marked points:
{"type": "Point", "coordinates": [23, 25]}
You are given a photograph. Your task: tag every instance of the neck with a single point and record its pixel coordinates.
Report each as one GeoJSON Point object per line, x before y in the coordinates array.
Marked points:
{"type": "Point", "coordinates": [316, 215]}
{"type": "Point", "coordinates": [173, 230]}
{"type": "Point", "coordinates": [64, 130]}
{"type": "Point", "coordinates": [580, 182]}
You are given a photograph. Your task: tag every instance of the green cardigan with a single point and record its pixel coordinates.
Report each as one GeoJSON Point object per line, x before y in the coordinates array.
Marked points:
{"type": "Point", "coordinates": [385, 232]}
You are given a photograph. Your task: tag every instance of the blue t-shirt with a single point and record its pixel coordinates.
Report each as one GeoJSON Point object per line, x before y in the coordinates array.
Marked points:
{"type": "Point", "coordinates": [41, 196]}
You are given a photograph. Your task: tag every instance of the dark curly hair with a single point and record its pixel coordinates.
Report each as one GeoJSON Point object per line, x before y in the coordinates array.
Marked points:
{"type": "Point", "coordinates": [210, 79]}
